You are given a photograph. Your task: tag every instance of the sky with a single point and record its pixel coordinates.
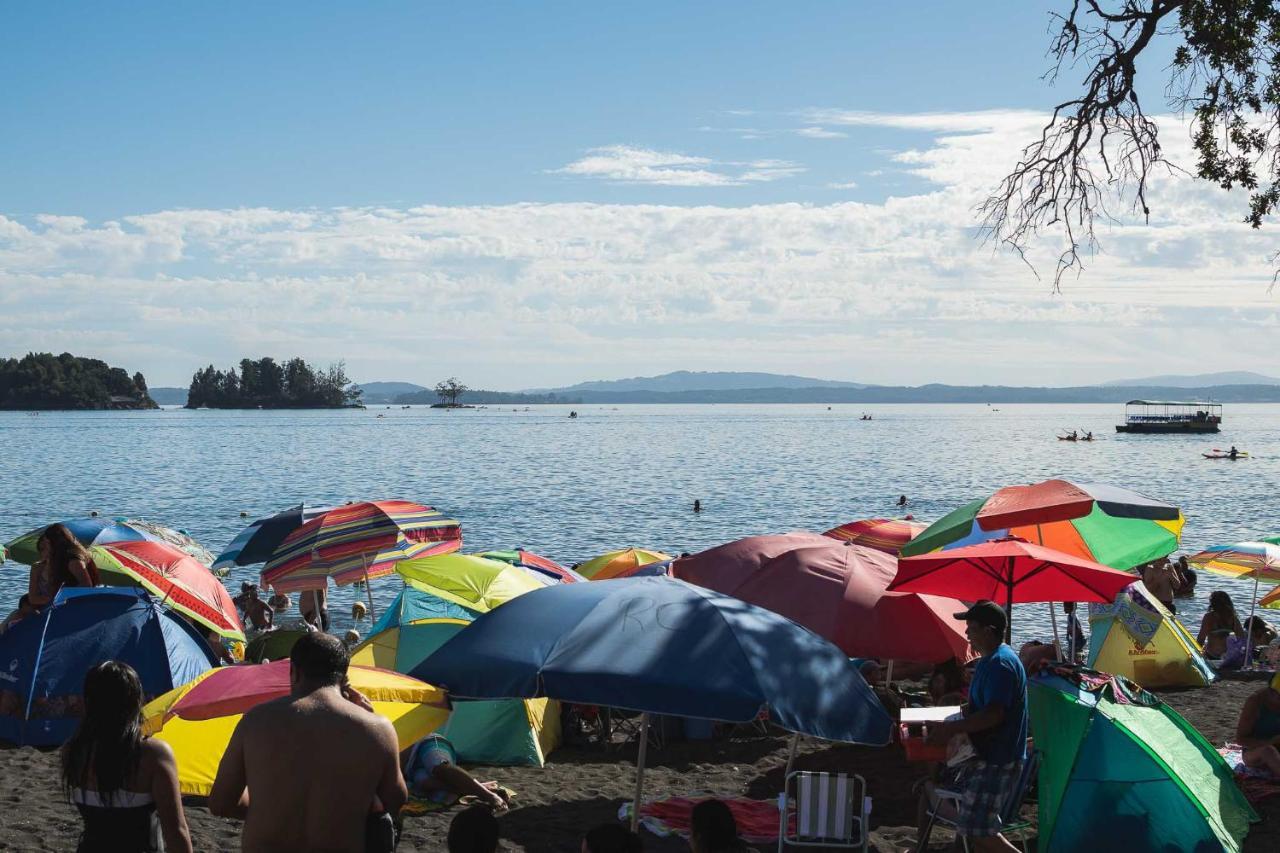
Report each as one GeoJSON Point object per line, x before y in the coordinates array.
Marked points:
{"type": "Point", "coordinates": [533, 195]}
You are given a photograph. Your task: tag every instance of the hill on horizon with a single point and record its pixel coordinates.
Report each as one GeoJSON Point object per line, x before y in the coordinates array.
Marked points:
{"type": "Point", "coordinates": [387, 392]}
{"type": "Point", "coordinates": [700, 380]}
{"type": "Point", "coordinates": [1199, 380]}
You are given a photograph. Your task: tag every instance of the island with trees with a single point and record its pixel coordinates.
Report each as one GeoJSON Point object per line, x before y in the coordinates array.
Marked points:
{"type": "Point", "coordinates": [44, 381]}
{"type": "Point", "coordinates": [450, 393]}
{"type": "Point", "coordinates": [267, 384]}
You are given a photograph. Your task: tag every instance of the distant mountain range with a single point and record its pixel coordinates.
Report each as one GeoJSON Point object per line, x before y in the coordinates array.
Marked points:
{"type": "Point", "coordinates": [169, 396]}
{"type": "Point", "coordinates": [689, 380]}
{"type": "Point", "coordinates": [1200, 380]}
{"type": "Point", "coordinates": [387, 392]}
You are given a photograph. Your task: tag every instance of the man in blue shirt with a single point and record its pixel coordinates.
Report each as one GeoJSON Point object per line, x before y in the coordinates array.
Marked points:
{"type": "Point", "coordinates": [996, 722]}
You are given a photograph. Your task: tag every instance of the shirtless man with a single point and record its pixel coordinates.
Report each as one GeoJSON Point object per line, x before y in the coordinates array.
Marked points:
{"type": "Point", "coordinates": [254, 608]}
{"type": "Point", "coordinates": [1161, 580]}
{"type": "Point", "coordinates": [313, 604]}
{"type": "Point", "coordinates": [306, 772]}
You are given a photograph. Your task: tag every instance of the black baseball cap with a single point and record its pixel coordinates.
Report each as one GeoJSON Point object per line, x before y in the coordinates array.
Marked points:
{"type": "Point", "coordinates": [987, 613]}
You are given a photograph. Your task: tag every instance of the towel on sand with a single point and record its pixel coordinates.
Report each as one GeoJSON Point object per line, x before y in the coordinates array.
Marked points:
{"type": "Point", "coordinates": [441, 800]}
{"type": "Point", "coordinates": [757, 820]}
{"type": "Point", "coordinates": [1255, 783]}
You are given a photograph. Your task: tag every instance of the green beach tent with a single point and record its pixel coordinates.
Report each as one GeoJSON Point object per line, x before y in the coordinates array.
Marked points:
{"type": "Point", "coordinates": [1120, 770]}
{"type": "Point", "coordinates": [501, 732]}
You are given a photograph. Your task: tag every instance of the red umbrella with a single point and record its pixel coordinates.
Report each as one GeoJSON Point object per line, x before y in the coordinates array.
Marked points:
{"type": "Point", "coordinates": [838, 591]}
{"type": "Point", "coordinates": [883, 534]}
{"type": "Point", "coordinates": [722, 566]}
{"type": "Point", "coordinates": [1009, 570]}
{"type": "Point", "coordinates": [178, 580]}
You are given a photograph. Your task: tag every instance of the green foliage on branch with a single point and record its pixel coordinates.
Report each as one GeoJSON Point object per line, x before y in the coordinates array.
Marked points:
{"type": "Point", "coordinates": [42, 380]}
{"type": "Point", "coordinates": [268, 385]}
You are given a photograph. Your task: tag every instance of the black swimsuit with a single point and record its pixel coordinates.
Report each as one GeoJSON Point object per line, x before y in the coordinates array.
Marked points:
{"type": "Point", "coordinates": [127, 825]}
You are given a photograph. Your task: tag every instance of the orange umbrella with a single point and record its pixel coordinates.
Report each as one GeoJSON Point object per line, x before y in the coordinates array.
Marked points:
{"type": "Point", "coordinates": [620, 564]}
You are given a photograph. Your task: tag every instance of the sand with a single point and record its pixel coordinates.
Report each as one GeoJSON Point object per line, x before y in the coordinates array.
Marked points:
{"type": "Point", "coordinates": [580, 788]}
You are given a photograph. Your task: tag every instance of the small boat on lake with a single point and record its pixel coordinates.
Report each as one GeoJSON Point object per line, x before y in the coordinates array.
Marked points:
{"type": "Point", "coordinates": [1170, 417]}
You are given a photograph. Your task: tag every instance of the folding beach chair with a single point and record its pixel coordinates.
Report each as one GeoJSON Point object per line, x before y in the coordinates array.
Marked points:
{"type": "Point", "coordinates": [832, 810]}
{"type": "Point", "coordinates": [1010, 815]}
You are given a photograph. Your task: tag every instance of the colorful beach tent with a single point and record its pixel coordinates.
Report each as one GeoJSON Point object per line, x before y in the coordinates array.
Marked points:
{"type": "Point", "coordinates": [412, 604]}
{"type": "Point", "coordinates": [618, 564]}
{"type": "Point", "coordinates": [1136, 637]}
{"type": "Point", "coordinates": [472, 582]}
{"type": "Point", "coordinates": [1121, 770]}
{"type": "Point", "coordinates": [496, 732]}
{"type": "Point", "coordinates": [197, 719]}
{"type": "Point", "coordinates": [1106, 524]}
{"type": "Point", "coordinates": [44, 658]}
{"type": "Point", "coordinates": [838, 591]}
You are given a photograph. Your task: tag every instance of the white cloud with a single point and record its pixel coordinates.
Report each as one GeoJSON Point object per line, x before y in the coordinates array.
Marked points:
{"type": "Point", "coordinates": [626, 164]}
{"type": "Point", "coordinates": [532, 294]}
{"type": "Point", "coordinates": [845, 185]}
{"type": "Point", "coordinates": [820, 133]}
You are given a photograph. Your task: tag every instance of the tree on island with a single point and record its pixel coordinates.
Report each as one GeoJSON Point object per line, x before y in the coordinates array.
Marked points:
{"type": "Point", "coordinates": [1224, 74]}
{"type": "Point", "coordinates": [265, 384]}
{"type": "Point", "coordinates": [450, 390]}
{"type": "Point", "coordinates": [41, 380]}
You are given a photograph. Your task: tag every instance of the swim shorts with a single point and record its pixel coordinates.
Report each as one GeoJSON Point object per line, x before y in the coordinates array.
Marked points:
{"type": "Point", "coordinates": [985, 788]}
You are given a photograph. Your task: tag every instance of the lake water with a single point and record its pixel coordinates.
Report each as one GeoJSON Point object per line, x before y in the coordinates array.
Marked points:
{"type": "Point", "coordinates": [615, 477]}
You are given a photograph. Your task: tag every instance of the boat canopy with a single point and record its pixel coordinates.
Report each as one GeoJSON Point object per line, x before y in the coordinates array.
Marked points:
{"type": "Point", "coordinates": [1171, 403]}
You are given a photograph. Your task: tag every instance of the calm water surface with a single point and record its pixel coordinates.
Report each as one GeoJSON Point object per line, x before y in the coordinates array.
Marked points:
{"type": "Point", "coordinates": [616, 477]}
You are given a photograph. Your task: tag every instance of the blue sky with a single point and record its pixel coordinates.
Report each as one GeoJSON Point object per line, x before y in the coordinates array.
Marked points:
{"type": "Point", "coordinates": [426, 189]}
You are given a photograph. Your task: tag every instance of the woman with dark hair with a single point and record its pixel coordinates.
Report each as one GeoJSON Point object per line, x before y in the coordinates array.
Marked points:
{"type": "Point", "coordinates": [1219, 623]}
{"type": "Point", "coordinates": [712, 829]}
{"type": "Point", "coordinates": [63, 561]}
{"type": "Point", "coordinates": [946, 683]}
{"type": "Point", "coordinates": [124, 785]}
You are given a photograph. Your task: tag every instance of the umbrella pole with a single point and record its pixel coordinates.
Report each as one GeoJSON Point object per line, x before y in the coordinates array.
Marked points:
{"type": "Point", "coordinates": [368, 591]}
{"type": "Point", "coordinates": [644, 743]}
{"type": "Point", "coordinates": [888, 675]}
{"type": "Point", "coordinates": [791, 755]}
{"type": "Point", "coordinates": [1248, 633]}
{"type": "Point", "coordinates": [1057, 644]}
{"type": "Point", "coordinates": [1008, 608]}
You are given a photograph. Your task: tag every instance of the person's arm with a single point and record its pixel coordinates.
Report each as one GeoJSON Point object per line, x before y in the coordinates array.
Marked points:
{"type": "Point", "coordinates": [1204, 630]}
{"type": "Point", "coordinates": [270, 614]}
{"type": "Point", "coordinates": [230, 794]}
{"type": "Point", "coordinates": [80, 572]}
{"type": "Point", "coordinates": [1238, 629]}
{"type": "Point", "coordinates": [168, 799]}
{"type": "Point", "coordinates": [1004, 683]}
{"type": "Point", "coordinates": [392, 791]}
{"type": "Point", "coordinates": [32, 596]}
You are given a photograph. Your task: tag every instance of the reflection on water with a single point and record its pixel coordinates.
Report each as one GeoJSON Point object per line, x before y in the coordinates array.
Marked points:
{"type": "Point", "coordinates": [617, 477]}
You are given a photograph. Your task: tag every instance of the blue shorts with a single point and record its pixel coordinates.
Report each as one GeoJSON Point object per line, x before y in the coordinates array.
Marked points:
{"type": "Point", "coordinates": [428, 754]}
{"type": "Point", "coordinates": [984, 791]}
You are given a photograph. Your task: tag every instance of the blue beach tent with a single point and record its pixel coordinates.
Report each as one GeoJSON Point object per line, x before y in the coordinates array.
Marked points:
{"type": "Point", "coordinates": [44, 658]}
{"type": "Point", "coordinates": [414, 605]}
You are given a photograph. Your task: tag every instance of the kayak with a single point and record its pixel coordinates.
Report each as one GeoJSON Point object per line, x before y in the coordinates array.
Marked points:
{"type": "Point", "coordinates": [1222, 454]}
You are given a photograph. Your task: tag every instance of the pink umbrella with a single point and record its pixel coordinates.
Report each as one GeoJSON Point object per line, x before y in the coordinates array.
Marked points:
{"type": "Point", "coordinates": [838, 591]}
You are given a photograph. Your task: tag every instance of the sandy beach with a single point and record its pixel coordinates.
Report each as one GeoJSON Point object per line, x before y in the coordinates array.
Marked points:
{"type": "Point", "coordinates": [581, 788]}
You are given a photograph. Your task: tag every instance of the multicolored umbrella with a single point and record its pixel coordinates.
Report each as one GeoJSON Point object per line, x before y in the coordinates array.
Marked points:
{"type": "Point", "coordinates": [618, 564]}
{"type": "Point", "coordinates": [359, 542]}
{"type": "Point", "coordinates": [1100, 523]}
{"type": "Point", "coordinates": [197, 719]}
{"type": "Point", "coordinates": [473, 582]}
{"type": "Point", "coordinates": [260, 539]}
{"type": "Point", "coordinates": [883, 534]}
{"type": "Point", "coordinates": [1258, 560]}
{"type": "Point", "coordinates": [174, 578]}
{"type": "Point", "coordinates": [536, 563]}
{"type": "Point", "coordinates": [103, 531]}
{"type": "Point", "coordinates": [1009, 571]}
{"type": "Point", "coordinates": [838, 591]}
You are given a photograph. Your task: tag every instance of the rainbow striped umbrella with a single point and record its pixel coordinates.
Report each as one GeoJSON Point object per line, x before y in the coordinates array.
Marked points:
{"type": "Point", "coordinates": [358, 542]}
{"type": "Point", "coordinates": [1257, 560]}
{"type": "Point", "coordinates": [882, 534]}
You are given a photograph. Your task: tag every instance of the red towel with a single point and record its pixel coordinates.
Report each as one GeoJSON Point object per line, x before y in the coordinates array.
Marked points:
{"type": "Point", "coordinates": [757, 820]}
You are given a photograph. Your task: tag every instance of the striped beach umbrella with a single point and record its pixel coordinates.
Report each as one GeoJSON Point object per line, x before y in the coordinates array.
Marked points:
{"type": "Point", "coordinates": [883, 534]}
{"type": "Point", "coordinates": [544, 568]}
{"type": "Point", "coordinates": [358, 542]}
{"type": "Point", "coordinates": [1105, 524]}
{"type": "Point", "coordinates": [260, 539]}
{"type": "Point", "coordinates": [177, 580]}
{"type": "Point", "coordinates": [1257, 560]}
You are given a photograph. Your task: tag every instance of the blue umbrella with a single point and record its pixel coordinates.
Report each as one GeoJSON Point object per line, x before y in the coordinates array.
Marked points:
{"type": "Point", "coordinates": [257, 542]}
{"type": "Point", "coordinates": [46, 657]}
{"type": "Point", "coordinates": [90, 531]}
{"type": "Point", "coordinates": [658, 645]}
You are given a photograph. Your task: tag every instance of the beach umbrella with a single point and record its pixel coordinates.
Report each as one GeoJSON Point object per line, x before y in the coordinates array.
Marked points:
{"type": "Point", "coordinates": [45, 657]}
{"type": "Point", "coordinates": [658, 645]}
{"type": "Point", "coordinates": [883, 534]}
{"type": "Point", "coordinates": [1009, 571]}
{"type": "Point", "coordinates": [473, 582]}
{"type": "Point", "coordinates": [359, 542]}
{"type": "Point", "coordinates": [103, 531]}
{"type": "Point", "coordinates": [614, 564]}
{"type": "Point", "coordinates": [1257, 560]}
{"type": "Point", "coordinates": [175, 579]}
{"type": "Point", "coordinates": [740, 555]}
{"type": "Point", "coordinates": [839, 591]}
{"type": "Point", "coordinates": [536, 564]}
{"type": "Point", "coordinates": [1102, 523]}
{"type": "Point", "coordinates": [413, 605]}
{"type": "Point", "coordinates": [259, 540]}
{"type": "Point", "coordinates": [198, 718]}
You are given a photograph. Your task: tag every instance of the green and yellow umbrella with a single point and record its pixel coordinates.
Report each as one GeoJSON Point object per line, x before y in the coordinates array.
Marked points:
{"type": "Point", "coordinates": [476, 583]}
